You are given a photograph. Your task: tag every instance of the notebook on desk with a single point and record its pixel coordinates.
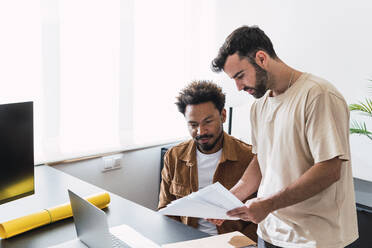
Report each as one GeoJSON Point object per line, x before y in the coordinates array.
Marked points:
{"type": "Point", "coordinates": [93, 231]}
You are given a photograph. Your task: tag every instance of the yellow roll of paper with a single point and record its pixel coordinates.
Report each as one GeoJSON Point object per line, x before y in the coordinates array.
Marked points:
{"type": "Point", "coordinates": [46, 216]}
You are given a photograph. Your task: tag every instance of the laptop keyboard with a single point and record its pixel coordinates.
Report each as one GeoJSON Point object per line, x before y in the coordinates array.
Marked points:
{"type": "Point", "coordinates": [117, 243]}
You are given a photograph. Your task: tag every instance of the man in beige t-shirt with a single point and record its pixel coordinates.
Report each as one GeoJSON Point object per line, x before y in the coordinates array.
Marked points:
{"type": "Point", "coordinates": [300, 135]}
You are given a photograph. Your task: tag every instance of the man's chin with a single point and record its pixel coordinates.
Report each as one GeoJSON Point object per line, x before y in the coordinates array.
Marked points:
{"type": "Point", "coordinates": [258, 94]}
{"type": "Point", "coordinates": [205, 147]}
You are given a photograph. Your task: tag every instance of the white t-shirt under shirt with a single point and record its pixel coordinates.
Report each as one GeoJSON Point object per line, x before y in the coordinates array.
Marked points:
{"type": "Point", "coordinates": [307, 124]}
{"type": "Point", "coordinates": [207, 164]}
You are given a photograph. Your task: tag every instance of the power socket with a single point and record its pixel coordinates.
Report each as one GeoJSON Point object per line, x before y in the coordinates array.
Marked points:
{"type": "Point", "coordinates": [111, 163]}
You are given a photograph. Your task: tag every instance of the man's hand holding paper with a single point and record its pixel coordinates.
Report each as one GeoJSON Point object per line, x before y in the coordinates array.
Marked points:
{"type": "Point", "coordinates": [211, 202]}
{"type": "Point", "coordinates": [254, 210]}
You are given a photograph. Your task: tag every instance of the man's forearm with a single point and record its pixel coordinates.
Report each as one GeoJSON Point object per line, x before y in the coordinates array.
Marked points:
{"type": "Point", "coordinates": [249, 182]}
{"type": "Point", "coordinates": [316, 179]}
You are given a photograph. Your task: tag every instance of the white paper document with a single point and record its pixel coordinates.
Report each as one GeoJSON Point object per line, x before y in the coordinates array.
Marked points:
{"type": "Point", "coordinates": [211, 202]}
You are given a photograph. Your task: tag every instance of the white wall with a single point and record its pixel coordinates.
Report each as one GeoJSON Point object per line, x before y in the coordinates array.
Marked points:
{"type": "Point", "coordinates": [331, 39]}
{"type": "Point", "coordinates": [138, 179]}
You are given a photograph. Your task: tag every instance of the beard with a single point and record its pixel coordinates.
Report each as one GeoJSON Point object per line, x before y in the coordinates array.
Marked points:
{"type": "Point", "coordinates": [207, 147]}
{"type": "Point", "coordinates": [262, 81]}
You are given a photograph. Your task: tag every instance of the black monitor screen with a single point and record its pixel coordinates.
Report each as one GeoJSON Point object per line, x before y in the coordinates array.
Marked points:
{"type": "Point", "coordinates": [16, 151]}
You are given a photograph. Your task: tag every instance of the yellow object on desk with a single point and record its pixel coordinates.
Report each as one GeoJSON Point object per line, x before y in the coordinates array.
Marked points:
{"type": "Point", "coordinates": [46, 216]}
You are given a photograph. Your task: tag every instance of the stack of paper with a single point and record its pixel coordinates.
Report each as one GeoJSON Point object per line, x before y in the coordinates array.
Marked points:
{"type": "Point", "coordinates": [211, 202]}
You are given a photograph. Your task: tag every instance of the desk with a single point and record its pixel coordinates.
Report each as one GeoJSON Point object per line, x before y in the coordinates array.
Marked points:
{"type": "Point", "coordinates": [51, 189]}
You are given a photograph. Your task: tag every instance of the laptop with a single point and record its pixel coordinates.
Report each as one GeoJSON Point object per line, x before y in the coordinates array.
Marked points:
{"type": "Point", "coordinates": [91, 224]}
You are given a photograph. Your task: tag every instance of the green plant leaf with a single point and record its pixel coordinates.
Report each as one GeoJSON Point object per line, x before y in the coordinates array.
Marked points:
{"type": "Point", "coordinates": [360, 128]}
{"type": "Point", "coordinates": [364, 107]}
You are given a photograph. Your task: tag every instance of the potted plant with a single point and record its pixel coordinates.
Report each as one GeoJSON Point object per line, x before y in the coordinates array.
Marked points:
{"type": "Point", "coordinates": [365, 108]}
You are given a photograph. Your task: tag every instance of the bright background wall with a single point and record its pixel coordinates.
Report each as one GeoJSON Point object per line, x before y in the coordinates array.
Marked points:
{"type": "Point", "coordinates": [103, 74]}
{"type": "Point", "coordinates": [331, 39]}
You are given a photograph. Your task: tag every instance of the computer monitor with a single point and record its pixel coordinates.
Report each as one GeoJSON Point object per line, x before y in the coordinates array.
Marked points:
{"type": "Point", "coordinates": [16, 151]}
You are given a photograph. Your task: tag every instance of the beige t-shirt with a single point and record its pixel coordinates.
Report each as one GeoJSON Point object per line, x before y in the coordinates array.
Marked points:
{"type": "Point", "coordinates": [307, 124]}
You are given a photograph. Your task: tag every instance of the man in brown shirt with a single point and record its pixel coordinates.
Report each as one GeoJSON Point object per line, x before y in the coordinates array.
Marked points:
{"type": "Point", "coordinates": [210, 156]}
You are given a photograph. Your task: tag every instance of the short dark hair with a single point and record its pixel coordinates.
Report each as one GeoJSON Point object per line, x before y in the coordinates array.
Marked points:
{"type": "Point", "coordinates": [246, 41]}
{"type": "Point", "coordinates": [200, 92]}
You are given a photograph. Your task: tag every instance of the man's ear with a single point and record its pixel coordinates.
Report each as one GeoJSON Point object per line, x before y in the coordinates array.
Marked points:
{"type": "Point", "coordinates": [262, 59]}
{"type": "Point", "coordinates": [223, 115]}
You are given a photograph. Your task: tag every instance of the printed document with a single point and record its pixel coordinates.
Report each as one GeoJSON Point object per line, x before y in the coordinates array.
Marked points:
{"type": "Point", "coordinates": [210, 202]}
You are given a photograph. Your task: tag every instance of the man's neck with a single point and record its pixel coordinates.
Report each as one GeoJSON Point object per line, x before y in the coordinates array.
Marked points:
{"type": "Point", "coordinates": [283, 78]}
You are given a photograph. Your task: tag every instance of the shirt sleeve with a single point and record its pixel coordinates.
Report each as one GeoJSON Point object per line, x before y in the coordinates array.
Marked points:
{"type": "Point", "coordinates": [327, 127]}
{"type": "Point", "coordinates": [165, 197]}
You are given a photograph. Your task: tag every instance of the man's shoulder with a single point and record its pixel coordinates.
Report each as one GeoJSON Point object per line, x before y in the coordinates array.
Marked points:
{"type": "Point", "coordinates": [238, 149]}
{"type": "Point", "coordinates": [316, 86]}
{"type": "Point", "coordinates": [239, 144]}
{"type": "Point", "coordinates": [179, 149]}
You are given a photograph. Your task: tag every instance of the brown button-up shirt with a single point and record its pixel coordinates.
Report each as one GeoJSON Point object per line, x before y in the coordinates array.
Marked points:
{"type": "Point", "coordinates": [180, 178]}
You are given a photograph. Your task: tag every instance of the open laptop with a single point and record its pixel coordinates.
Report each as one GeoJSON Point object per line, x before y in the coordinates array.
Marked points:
{"type": "Point", "coordinates": [91, 224]}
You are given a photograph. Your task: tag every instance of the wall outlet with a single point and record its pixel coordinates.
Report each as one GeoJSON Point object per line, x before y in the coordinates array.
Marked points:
{"type": "Point", "coordinates": [111, 163]}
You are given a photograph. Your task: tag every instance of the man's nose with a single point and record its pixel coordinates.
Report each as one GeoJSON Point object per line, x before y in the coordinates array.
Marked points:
{"type": "Point", "coordinates": [239, 85]}
{"type": "Point", "coordinates": [201, 130]}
